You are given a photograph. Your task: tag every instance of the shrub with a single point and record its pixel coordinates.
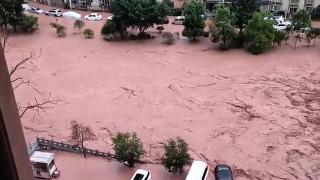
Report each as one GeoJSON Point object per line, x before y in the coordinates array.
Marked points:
{"type": "Point", "coordinates": [88, 33]}
{"type": "Point", "coordinates": [60, 29]}
{"type": "Point", "coordinates": [206, 34]}
{"type": "Point", "coordinates": [108, 28]}
{"type": "Point", "coordinates": [193, 24]}
{"type": "Point", "coordinates": [167, 38]}
{"type": "Point", "coordinates": [29, 23]}
{"type": "Point", "coordinates": [78, 24]}
{"type": "Point", "coordinates": [279, 37]}
{"type": "Point", "coordinates": [176, 155]}
{"type": "Point", "coordinates": [128, 148]}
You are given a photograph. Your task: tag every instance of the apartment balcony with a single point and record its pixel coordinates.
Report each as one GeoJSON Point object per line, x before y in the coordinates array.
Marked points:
{"type": "Point", "coordinates": [277, 1]}
{"type": "Point", "coordinates": [294, 2]}
{"type": "Point", "coordinates": [309, 2]}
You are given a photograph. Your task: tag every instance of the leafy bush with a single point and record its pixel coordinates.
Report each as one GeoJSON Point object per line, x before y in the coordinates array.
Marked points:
{"type": "Point", "coordinates": [193, 25]}
{"type": "Point", "coordinates": [128, 148]}
{"type": "Point", "coordinates": [302, 19]}
{"type": "Point", "coordinates": [78, 24]}
{"type": "Point", "coordinates": [88, 33]}
{"type": "Point", "coordinates": [29, 23]}
{"type": "Point", "coordinates": [167, 38]}
{"type": "Point", "coordinates": [60, 29]}
{"type": "Point", "coordinates": [108, 28]}
{"type": "Point", "coordinates": [176, 155]}
{"type": "Point", "coordinates": [279, 37]}
{"type": "Point", "coordinates": [260, 33]}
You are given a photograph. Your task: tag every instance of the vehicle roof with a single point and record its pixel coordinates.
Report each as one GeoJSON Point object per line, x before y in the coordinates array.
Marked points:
{"type": "Point", "coordinates": [140, 171]}
{"type": "Point", "coordinates": [42, 157]}
{"type": "Point", "coordinates": [196, 170]}
{"type": "Point", "coordinates": [94, 14]}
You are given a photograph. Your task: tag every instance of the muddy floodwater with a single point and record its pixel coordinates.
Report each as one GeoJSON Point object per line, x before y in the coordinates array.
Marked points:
{"type": "Point", "coordinates": [259, 114]}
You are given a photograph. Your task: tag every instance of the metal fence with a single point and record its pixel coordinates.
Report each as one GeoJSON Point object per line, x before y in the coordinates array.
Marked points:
{"type": "Point", "coordinates": [42, 143]}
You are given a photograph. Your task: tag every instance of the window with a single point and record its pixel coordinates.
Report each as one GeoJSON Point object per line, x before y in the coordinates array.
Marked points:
{"type": "Point", "coordinates": [40, 166]}
{"type": "Point", "coordinates": [205, 173]}
{"type": "Point", "coordinates": [138, 177]}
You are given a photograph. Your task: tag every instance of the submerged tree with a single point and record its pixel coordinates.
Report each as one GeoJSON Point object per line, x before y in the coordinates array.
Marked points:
{"type": "Point", "coordinates": [176, 155]}
{"type": "Point", "coordinates": [302, 19]}
{"type": "Point", "coordinates": [224, 30]}
{"type": "Point", "coordinates": [193, 24]}
{"type": "Point", "coordinates": [128, 148]}
{"type": "Point", "coordinates": [80, 133]}
{"type": "Point", "coordinates": [79, 24]}
{"type": "Point", "coordinates": [260, 33]}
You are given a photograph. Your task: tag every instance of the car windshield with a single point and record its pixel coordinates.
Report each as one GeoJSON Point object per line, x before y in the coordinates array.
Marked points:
{"type": "Point", "coordinates": [138, 177]}
{"type": "Point", "coordinates": [224, 174]}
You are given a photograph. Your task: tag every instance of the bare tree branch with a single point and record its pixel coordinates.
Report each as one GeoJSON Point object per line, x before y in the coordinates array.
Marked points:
{"type": "Point", "coordinates": [39, 106]}
{"type": "Point", "coordinates": [26, 63]}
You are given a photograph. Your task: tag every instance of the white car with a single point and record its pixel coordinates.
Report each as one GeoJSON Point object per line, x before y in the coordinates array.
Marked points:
{"type": "Point", "coordinates": [36, 10]}
{"type": "Point", "coordinates": [179, 20]}
{"type": "Point", "coordinates": [109, 17]}
{"type": "Point", "coordinates": [26, 7]}
{"type": "Point", "coordinates": [93, 17]}
{"type": "Point", "coordinates": [141, 174]}
{"type": "Point", "coordinates": [282, 25]}
{"type": "Point", "coordinates": [54, 12]}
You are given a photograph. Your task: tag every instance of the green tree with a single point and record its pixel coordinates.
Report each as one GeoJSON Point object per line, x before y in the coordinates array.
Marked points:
{"type": "Point", "coordinates": [128, 148]}
{"type": "Point", "coordinates": [301, 20]}
{"type": "Point", "coordinates": [193, 25]}
{"type": "Point", "coordinates": [138, 14]}
{"type": "Point", "coordinates": [78, 24]}
{"type": "Point", "coordinates": [243, 10]}
{"type": "Point", "coordinates": [29, 23]}
{"type": "Point", "coordinates": [88, 33]}
{"type": "Point", "coordinates": [224, 30]}
{"type": "Point", "coordinates": [11, 12]}
{"type": "Point", "coordinates": [260, 33]}
{"type": "Point", "coordinates": [176, 155]}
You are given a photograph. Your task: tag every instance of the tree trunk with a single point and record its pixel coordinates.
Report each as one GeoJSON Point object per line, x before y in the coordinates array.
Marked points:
{"type": "Point", "coordinates": [83, 150]}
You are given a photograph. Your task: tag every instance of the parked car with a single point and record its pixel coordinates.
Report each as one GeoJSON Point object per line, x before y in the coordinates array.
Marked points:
{"type": "Point", "coordinates": [54, 12]}
{"type": "Point", "coordinates": [93, 17]}
{"type": "Point", "coordinates": [141, 174]}
{"type": "Point", "coordinates": [109, 17]}
{"type": "Point", "coordinates": [223, 172]}
{"type": "Point", "coordinates": [179, 20]}
{"type": "Point", "coordinates": [36, 10]}
{"type": "Point", "coordinates": [26, 7]}
{"type": "Point", "coordinates": [163, 21]}
{"type": "Point", "coordinates": [198, 171]}
{"type": "Point", "coordinates": [282, 25]}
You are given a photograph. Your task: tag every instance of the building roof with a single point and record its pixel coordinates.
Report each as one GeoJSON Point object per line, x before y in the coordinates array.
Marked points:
{"type": "Point", "coordinates": [41, 157]}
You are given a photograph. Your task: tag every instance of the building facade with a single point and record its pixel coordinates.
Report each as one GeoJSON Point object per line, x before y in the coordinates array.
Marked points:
{"type": "Point", "coordinates": [289, 6]}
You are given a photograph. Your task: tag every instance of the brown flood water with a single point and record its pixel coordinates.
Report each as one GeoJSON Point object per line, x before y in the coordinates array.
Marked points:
{"type": "Point", "coordinates": [254, 112]}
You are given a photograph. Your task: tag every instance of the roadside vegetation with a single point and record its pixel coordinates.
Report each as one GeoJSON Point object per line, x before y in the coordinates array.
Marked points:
{"type": "Point", "coordinates": [194, 20]}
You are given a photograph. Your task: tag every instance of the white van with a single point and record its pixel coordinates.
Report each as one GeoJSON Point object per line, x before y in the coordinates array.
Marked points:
{"type": "Point", "coordinates": [198, 171]}
{"type": "Point", "coordinates": [179, 20]}
{"type": "Point", "coordinates": [43, 165]}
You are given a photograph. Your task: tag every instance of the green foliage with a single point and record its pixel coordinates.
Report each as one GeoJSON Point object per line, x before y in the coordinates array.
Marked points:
{"type": "Point", "coordinates": [138, 14]}
{"type": "Point", "coordinates": [224, 30]}
{"type": "Point", "coordinates": [60, 29]}
{"type": "Point", "coordinates": [176, 155]}
{"type": "Point", "coordinates": [167, 38]}
{"type": "Point", "coordinates": [279, 36]}
{"type": "Point", "coordinates": [108, 28]}
{"type": "Point", "coordinates": [243, 10]}
{"type": "Point", "coordinates": [88, 33]}
{"type": "Point", "coordinates": [301, 19]}
{"type": "Point", "coordinates": [128, 148]}
{"type": "Point", "coordinates": [11, 12]}
{"type": "Point", "coordinates": [316, 13]}
{"type": "Point", "coordinates": [193, 25]}
{"type": "Point", "coordinates": [260, 33]}
{"type": "Point", "coordinates": [29, 23]}
{"type": "Point", "coordinates": [78, 24]}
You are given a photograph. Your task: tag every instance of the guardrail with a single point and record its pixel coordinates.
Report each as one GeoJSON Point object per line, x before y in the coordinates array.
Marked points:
{"type": "Point", "coordinates": [42, 143]}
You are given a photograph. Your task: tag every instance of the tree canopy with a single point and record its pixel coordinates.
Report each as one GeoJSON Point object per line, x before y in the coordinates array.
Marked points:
{"type": "Point", "coordinates": [301, 20]}
{"type": "Point", "coordinates": [224, 30]}
{"type": "Point", "coordinates": [193, 25]}
{"type": "Point", "coordinates": [11, 12]}
{"type": "Point", "coordinates": [260, 32]}
{"type": "Point", "coordinates": [243, 10]}
{"type": "Point", "coordinates": [138, 14]}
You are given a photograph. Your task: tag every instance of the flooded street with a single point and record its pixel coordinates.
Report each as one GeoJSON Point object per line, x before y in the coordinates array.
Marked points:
{"type": "Point", "coordinates": [255, 113]}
